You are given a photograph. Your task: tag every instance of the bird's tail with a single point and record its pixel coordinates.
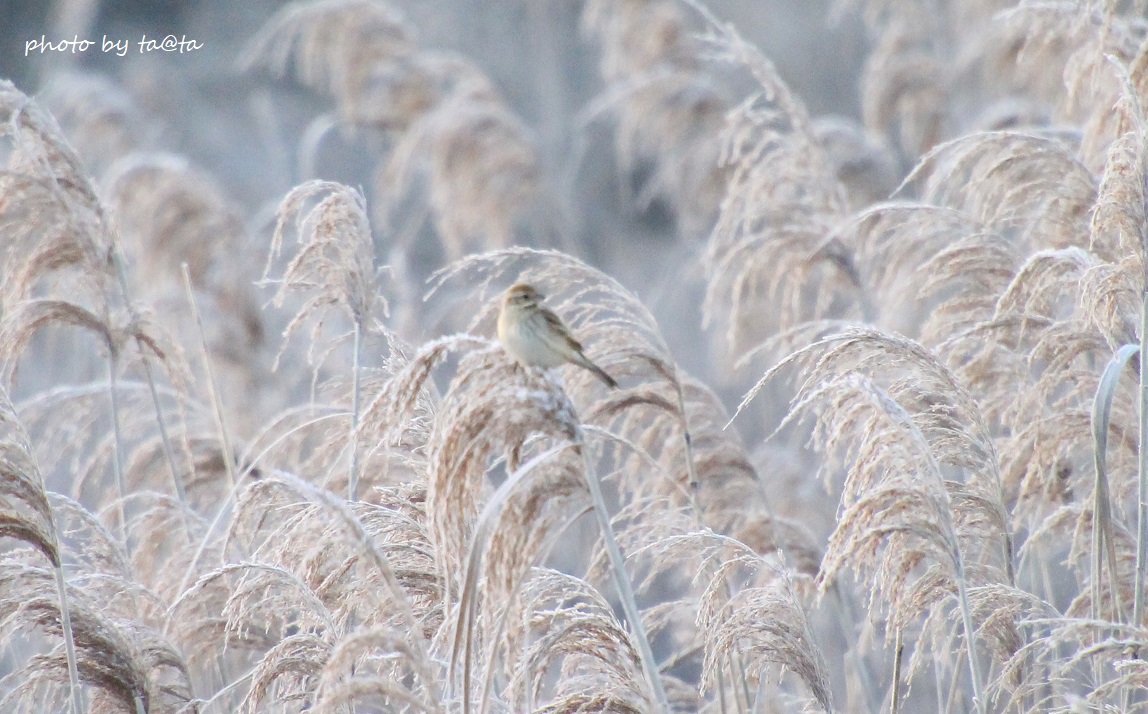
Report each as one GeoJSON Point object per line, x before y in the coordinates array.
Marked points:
{"type": "Point", "coordinates": [599, 373]}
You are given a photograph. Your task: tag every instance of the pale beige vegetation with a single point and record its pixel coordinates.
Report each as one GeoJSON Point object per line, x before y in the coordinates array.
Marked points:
{"type": "Point", "coordinates": [271, 460]}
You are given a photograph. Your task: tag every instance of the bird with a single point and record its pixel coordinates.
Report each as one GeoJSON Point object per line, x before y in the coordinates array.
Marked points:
{"type": "Point", "coordinates": [536, 337]}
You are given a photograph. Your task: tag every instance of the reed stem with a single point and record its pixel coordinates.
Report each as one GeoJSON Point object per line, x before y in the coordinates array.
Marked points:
{"type": "Point", "coordinates": [622, 583]}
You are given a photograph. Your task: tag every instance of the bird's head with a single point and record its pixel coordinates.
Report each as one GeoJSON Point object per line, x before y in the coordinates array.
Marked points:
{"type": "Point", "coordinates": [523, 295]}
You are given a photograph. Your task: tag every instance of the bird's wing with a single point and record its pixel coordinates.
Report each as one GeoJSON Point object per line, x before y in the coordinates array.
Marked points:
{"type": "Point", "coordinates": [559, 328]}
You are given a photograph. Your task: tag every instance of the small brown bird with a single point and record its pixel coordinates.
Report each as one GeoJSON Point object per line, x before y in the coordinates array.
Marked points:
{"type": "Point", "coordinates": [534, 336]}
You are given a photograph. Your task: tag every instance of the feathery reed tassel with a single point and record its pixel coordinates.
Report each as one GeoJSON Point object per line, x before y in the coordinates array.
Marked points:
{"type": "Point", "coordinates": [335, 263]}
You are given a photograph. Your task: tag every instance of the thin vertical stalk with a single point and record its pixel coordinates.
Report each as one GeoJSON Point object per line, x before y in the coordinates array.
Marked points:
{"type": "Point", "coordinates": [687, 442]}
{"type": "Point", "coordinates": [622, 582]}
{"type": "Point", "coordinates": [1142, 468]}
{"type": "Point", "coordinates": [69, 640]}
{"type": "Point", "coordinates": [220, 425]}
{"type": "Point", "coordinates": [1103, 542]}
{"type": "Point", "coordinates": [118, 460]}
{"type": "Point", "coordinates": [967, 617]}
{"type": "Point", "coordinates": [353, 476]}
{"type": "Point", "coordinates": [844, 614]}
{"type": "Point", "coordinates": [310, 143]}
{"type": "Point", "coordinates": [216, 399]}
{"type": "Point", "coordinates": [954, 687]}
{"type": "Point", "coordinates": [898, 652]}
{"type": "Point", "coordinates": [721, 692]}
{"type": "Point", "coordinates": [168, 451]}
{"type": "Point", "coordinates": [742, 699]}
{"type": "Point", "coordinates": [382, 564]}
{"type": "Point", "coordinates": [1132, 97]}
{"type": "Point", "coordinates": [736, 665]}
{"type": "Point", "coordinates": [938, 685]}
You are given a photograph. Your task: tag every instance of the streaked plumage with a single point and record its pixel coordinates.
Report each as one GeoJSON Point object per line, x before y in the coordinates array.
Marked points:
{"type": "Point", "coordinates": [534, 336]}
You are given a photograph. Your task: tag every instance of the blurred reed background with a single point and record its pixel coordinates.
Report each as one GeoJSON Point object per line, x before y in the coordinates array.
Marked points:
{"type": "Point", "coordinates": [870, 275]}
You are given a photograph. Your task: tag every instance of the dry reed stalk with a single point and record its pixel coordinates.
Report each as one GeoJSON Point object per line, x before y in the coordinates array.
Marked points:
{"type": "Point", "coordinates": [1103, 535]}
{"type": "Point", "coordinates": [293, 437]}
{"type": "Point", "coordinates": [1028, 47]}
{"type": "Point", "coordinates": [444, 114]}
{"type": "Point", "coordinates": [26, 515]}
{"type": "Point", "coordinates": [763, 620]}
{"type": "Point", "coordinates": [337, 570]}
{"type": "Point", "coordinates": [288, 672]}
{"type": "Point", "coordinates": [1133, 198]}
{"type": "Point", "coordinates": [405, 627]}
{"type": "Point", "coordinates": [667, 105]}
{"type": "Point", "coordinates": [945, 412]}
{"type": "Point", "coordinates": [766, 255]}
{"type": "Point", "coordinates": [169, 213]}
{"type": "Point", "coordinates": [574, 630]}
{"type": "Point", "coordinates": [201, 457]}
{"type": "Point", "coordinates": [488, 410]}
{"type": "Point", "coordinates": [938, 71]}
{"type": "Point", "coordinates": [335, 264]}
{"type": "Point", "coordinates": [904, 86]}
{"type": "Point", "coordinates": [927, 269]}
{"type": "Point", "coordinates": [347, 679]}
{"type": "Point", "coordinates": [1054, 323]}
{"type": "Point", "coordinates": [863, 162]}
{"type": "Point", "coordinates": [995, 355]}
{"type": "Point", "coordinates": [519, 523]}
{"type": "Point", "coordinates": [893, 519]}
{"type": "Point", "coordinates": [710, 473]}
{"type": "Point", "coordinates": [481, 166]}
{"type": "Point", "coordinates": [213, 387]}
{"type": "Point", "coordinates": [913, 521]}
{"type": "Point", "coordinates": [1058, 52]}
{"type": "Point", "coordinates": [171, 530]}
{"type": "Point", "coordinates": [321, 450]}
{"type": "Point", "coordinates": [99, 117]}
{"type": "Point", "coordinates": [219, 640]}
{"type": "Point", "coordinates": [730, 497]}
{"type": "Point", "coordinates": [67, 229]}
{"type": "Point", "coordinates": [341, 47]}
{"type": "Point", "coordinates": [638, 35]}
{"type": "Point", "coordinates": [28, 317]}
{"type": "Point", "coordinates": [101, 552]}
{"type": "Point", "coordinates": [50, 209]}
{"type": "Point", "coordinates": [1016, 183]}
{"type": "Point", "coordinates": [494, 406]}
{"type": "Point", "coordinates": [1065, 649]}
{"type": "Point", "coordinates": [344, 618]}
{"type": "Point", "coordinates": [70, 430]}
{"type": "Point", "coordinates": [671, 118]}
{"type": "Point", "coordinates": [1119, 221]}
{"type": "Point", "coordinates": [622, 586]}
{"type": "Point", "coordinates": [124, 662]}
{"type": "Point", "coordinates": [335, 258]}
{"type": "Point", "coordinates": [684, 568]}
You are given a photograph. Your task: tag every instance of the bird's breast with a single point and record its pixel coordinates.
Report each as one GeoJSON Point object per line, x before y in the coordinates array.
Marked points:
{"type": "Point", "coordinates": [526, 341]}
